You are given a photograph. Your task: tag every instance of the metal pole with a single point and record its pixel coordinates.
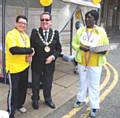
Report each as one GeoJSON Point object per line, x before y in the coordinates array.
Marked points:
{"type": "Point", "coordinates": [71, 35]}
{"type": "Point", "coordinates": [48, 9]}
{"type": "Point", "coordinates": [3, 38]}
{"type": "Point", "coordinates": [26, 7]}
{"type": "Point", "coordinates": [82, 17]}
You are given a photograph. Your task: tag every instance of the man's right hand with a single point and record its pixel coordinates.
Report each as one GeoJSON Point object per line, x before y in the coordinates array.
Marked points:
{"type": "Point", "coordinates": [29, 57]}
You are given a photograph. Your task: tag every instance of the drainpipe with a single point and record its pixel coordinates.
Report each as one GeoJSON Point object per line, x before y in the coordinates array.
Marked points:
{"type": "Point", "coordinates": [3, 39]}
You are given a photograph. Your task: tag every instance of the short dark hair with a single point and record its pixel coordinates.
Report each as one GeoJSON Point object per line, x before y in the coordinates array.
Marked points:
{"type": "Point", "coordinates": [46, 13]}
{"type": "Point", "coordinates": [94, 13]}
{"type": "Point", "coordinates": [21, 16]}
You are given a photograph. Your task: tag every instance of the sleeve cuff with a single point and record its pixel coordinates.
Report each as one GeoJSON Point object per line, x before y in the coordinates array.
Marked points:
{"type": "Point", "coordinates": [53, 57]}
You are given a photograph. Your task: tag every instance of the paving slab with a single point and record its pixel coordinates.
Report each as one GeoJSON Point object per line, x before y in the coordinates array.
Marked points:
{"type": "Point", "coordinates": [58, 74]}
{"type": "Point", "coordinates": [67, 80]}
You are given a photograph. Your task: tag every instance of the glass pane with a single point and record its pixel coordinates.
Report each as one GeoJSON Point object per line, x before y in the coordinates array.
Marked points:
{"type": "Point", "coordinates": [33, 18]}
{"type": "Point", "coordinates": [13, 9]}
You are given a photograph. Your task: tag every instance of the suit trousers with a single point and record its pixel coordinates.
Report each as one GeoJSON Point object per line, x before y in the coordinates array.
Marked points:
{"type": "Point", "coordinates": [43, 74]}
{"type": "Point", "coordinates": [17, 91]}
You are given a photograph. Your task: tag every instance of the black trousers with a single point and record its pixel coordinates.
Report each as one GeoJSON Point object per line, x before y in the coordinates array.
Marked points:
{"type": "Point", "coordinates": [17, 91]}
{"type": "Point", "coordinates": [42, 74]}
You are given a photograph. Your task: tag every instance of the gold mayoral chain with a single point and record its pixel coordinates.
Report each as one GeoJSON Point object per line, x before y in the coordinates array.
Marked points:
{"type": "Point", "coordinates": [47, 43]}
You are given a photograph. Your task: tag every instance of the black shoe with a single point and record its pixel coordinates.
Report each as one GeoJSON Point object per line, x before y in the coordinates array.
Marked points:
{"type": "Point", "coordinates": [11, 116]}
{"type": "Point", "coordinates": [50, 104]}
{"type": "Point", "coordinates": [35, 104]}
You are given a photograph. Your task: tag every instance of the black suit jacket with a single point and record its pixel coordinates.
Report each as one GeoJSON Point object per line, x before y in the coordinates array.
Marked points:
{"type": "Point", "coordinates": [38, 45]}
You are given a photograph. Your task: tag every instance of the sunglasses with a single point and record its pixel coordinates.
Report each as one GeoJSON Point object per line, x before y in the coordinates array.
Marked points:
{"type": "Point", "coordinates": [45, 19]}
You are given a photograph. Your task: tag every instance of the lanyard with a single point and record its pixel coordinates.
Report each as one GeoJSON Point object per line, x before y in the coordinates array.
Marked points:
{"type": "Point", "coordinates": [87, 59]}
{"type": "Point", "coordinates": [23, 39]}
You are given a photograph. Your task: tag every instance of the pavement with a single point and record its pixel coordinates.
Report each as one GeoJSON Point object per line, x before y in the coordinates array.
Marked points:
{"type": "Point", "coordinates": [65, 88]}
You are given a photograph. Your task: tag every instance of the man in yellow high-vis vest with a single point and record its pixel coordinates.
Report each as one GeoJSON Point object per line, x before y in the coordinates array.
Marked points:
{"type": "Point", "coordinates": [18, 58]}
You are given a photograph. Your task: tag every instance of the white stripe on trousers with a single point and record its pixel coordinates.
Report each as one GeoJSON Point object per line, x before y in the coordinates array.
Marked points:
{"type": "Point", "coordinates": [89, 82]}
{"type": "Point", "coordinates": [10, 92]}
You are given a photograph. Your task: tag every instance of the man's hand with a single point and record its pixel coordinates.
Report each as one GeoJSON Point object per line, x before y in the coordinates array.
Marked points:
{"type": "Point", "coordinates": [50, 59]}
{"type": "Point", "coordinates": [29, 57]}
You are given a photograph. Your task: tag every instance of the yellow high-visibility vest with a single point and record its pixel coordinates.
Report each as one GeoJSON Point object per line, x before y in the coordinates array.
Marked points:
{"type": "Point", "coordinates": [16, 63]}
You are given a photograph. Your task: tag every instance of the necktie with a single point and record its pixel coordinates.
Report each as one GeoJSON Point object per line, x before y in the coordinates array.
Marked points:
{"type": "Point", "coordinates": [45, 35]}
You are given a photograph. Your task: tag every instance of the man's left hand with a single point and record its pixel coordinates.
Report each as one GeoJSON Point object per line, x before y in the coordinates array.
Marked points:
{"type": "Point", "coordinates": [50, 59]}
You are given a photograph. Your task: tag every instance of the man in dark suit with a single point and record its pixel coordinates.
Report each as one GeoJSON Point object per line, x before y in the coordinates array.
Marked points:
{"type": "Point", "coordinates": [47, 47]}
